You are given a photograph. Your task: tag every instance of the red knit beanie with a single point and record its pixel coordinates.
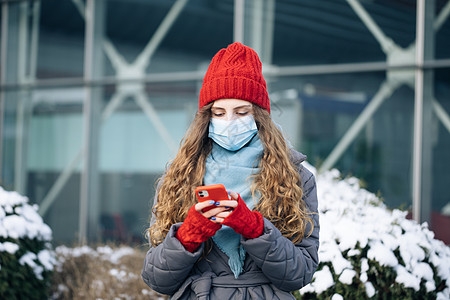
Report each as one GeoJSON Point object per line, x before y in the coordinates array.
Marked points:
{"type": "Point", "coordinates": [235, 72]}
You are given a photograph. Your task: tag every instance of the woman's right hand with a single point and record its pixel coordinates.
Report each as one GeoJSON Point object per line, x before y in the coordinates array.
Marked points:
{"type": "Point", "coordinates": [197, 227]}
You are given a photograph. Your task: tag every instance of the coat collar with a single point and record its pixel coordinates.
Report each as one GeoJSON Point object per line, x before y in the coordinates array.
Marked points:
{"type": "Point", "coordinates": [297, 157]}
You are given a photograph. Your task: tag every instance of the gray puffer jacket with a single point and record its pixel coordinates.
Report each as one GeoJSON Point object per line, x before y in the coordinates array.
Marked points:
{"type": "Point", "coordinates": [273, 267]}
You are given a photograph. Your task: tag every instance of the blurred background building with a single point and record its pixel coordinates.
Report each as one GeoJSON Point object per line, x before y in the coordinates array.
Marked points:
{"type": "Point", "coordinates": [96, 95]}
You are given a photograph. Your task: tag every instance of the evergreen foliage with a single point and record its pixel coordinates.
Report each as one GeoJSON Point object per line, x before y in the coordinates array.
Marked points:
{"type": "Point", "coordinates": [26, 258]}
{"type": "Point", "coordinates": [370, 252]}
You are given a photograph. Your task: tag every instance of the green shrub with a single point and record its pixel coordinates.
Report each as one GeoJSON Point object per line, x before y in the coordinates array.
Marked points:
{"type": "Point", "coordinates": [369, 252]}
{"type": "Point", "coordinates": [26, 258]}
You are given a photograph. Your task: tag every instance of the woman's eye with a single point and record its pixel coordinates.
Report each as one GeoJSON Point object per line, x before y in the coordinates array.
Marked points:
{"type": "Point", "coordinates": [217, 114]}
{"type": "Point", "coordinates": [242, 113]}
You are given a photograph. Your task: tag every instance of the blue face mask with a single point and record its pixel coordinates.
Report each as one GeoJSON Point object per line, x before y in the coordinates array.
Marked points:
{"type": "Point", "coordinates": [232, 135]}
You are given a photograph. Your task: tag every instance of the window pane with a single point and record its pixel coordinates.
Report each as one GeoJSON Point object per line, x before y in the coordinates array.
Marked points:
{"type": "Point", "coordinates": [40, 149]}
{"type": "Point", "coordinates": [329, 32]}
{"type": "Point", "coordinates": [380, 154]}
{"type": "Point", "coordinates": [135, 146]}
{"type": "Point", "coordinates": [191, 38]}
{"type": "Point", "coordinates": [442, 29]}
{"type": "Point", "coordinates": [61, 40]}
{"type": "Point", "coordinates": [440, 206]}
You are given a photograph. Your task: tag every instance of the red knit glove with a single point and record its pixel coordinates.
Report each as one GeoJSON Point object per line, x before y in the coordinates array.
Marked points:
{"type": "Point", "coordinates": [195, 230]}
{"type": "Point", "coordinates": [244, 221]}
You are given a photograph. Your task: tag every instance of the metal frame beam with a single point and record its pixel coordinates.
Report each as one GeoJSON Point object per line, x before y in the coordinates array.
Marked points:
{"type": "Point", "coordinates": [238, 23]}
{"type": "Point", "coordinates": [9, 68]}
{"type": "Point", "coordinates": [385, 91]}
{"type": "Point", "coordinates": [93, 68]}
{"type": "Point", "coordinates": [3, 45]}
{"type": "Point", "coordinates": [127, 84]}
{"type": "Point", "coordinates": [442, 115]}
{"type": "Point", "coordinates": [273, 71]}
{"type": "Point", "coordinates": [254, 26]}
{"type": "Point", "coordinates": [397, 73]}
{"type": "Point", "coordinates": [423, 110]}
{"type": "Point", "coordinates": [421, 52]}
{"type": "Point", "coordinates": [126, 87]}
{"type": "Point", "coordinates": [26, 73]}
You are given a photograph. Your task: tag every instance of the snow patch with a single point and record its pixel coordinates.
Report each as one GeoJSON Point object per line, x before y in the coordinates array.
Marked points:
{"type": "Point", "coordinates": [9, 247]}
{"type": "Point", "coordinates": [19, 219]}
{"type": "Point", "coordinates": [323, 279]}
{"type": "Point", "coordinates": [382, 254]}
{"type": "Point", "coordinates": [347, 276]}
{"type": "Point", "coordinates": [29, 259]}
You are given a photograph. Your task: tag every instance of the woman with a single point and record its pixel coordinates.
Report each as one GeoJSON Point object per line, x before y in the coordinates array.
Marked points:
{"type": "Point", "coordinates": [262, 243]}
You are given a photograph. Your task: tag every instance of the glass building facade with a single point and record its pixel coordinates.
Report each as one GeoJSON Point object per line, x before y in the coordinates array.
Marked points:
{"type": "Point", "coordinates": [96, 95]}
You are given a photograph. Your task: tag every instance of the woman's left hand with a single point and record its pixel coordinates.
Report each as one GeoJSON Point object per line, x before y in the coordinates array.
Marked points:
{"type": "Point", "coordinates": [250, 224]}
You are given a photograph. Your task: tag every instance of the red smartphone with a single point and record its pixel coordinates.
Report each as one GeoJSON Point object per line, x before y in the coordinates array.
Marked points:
{"type": "Point", "coordinates": [214, 192]}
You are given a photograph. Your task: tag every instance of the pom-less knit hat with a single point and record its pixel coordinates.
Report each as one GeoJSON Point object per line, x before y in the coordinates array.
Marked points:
{"type": "Point", "coordinates": [235, 73]}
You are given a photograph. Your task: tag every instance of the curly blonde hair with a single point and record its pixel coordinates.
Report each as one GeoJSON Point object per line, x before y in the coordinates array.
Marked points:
{"type": "Point", "coordinates": [277, 185]}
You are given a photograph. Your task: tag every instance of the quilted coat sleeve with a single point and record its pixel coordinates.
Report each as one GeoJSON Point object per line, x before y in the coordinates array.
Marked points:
{"type": "Point", "coordinates": [289, 266]}
{"type": "Point", "coordinates": [167, 266]}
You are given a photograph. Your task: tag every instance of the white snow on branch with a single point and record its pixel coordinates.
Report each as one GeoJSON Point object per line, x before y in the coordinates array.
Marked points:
{"type": "Point", "coordinates": [351, 216]}
{"type": "Point", "coordinates": [19, 219]}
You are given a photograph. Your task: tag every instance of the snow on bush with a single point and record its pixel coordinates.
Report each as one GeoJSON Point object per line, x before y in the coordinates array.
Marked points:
{"type": "Point", "coordinates": [105, 253]}
{"type": "Point", "coordinates": [26, 258]}
{"type": "Point", "coordinates": [368, 251]}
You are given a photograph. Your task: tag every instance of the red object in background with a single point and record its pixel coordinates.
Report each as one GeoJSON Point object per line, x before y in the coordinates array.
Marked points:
{"type": "Point", "coordinates": [440, 224]}
{"type": "Point", "coordinates": [113, 228]}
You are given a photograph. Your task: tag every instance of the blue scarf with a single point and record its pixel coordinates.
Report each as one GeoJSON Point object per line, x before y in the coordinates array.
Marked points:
{"type": "Point", "coordinates": [233, 169]}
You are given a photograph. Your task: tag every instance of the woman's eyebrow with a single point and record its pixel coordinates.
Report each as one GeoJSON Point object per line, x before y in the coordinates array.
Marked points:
{"type": "Point", "coordinates": [244, 106]}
